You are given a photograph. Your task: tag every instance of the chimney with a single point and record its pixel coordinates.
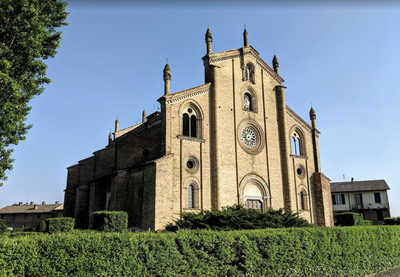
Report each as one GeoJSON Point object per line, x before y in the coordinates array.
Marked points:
{"type": "Point", "coordinates": [31, 203]}
{"type": "Point", "coordinates": [352, 180]}
{"type": "Point", "coordinates": [57, 202]}
{"type": "Point", "coordinates": [19, 203]}
{"type": "Point", "coordinates": [43, 202]}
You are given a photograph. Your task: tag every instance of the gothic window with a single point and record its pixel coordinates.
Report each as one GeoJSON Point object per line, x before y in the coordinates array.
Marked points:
{"type": "Point", "coordinates": [247, 102]}
{"type": "Point", "coordinates": [297, 147]}
{"type": "Point", "coordinates": [189, 124]}
{"type": "Point", "coordinates": [190, 197]}
{"type": "Point", "coordinates": [303, 200]}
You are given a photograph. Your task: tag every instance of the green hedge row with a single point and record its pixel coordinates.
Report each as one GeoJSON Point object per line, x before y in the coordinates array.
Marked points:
{"type": "Point", "coordinates": [391, 221]}
{"type": "Point", "coordinates": [106, 221]}
{"type": "Point", "coordinates": [351, 219]}
{"type": "Point", "coordinates": [346, 251]}
{"type": "Point", "coordinates": [59, 224]}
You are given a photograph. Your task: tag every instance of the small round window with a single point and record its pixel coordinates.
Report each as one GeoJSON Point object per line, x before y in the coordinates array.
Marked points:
{"type": "Point", "coordinates": [301, 172]}
{"type": "Point", "coordinates": [191, 164]}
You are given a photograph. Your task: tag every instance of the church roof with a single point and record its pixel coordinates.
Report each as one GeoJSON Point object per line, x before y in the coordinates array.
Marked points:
{"type": "Point", "coordinates": [32, 208]}
{"type": "Point", "coordinates": [371, 185]}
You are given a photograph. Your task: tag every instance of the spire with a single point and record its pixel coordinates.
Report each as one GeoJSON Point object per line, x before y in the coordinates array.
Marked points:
{"type": "Point", "coordinates": [109, 137]}
{"type": "Point", "coordinates": [275, 64]}
{"type": "Point", "coordinates": [245, 37]}
{"type": "Point", "coordinates": [116, 125]}
{"type": "Point", "coordinates": [167, 78]}
{"type": "Point", "coordinates": [313, 117]}
{"type": "Point", "coordinates": [143, 116]}
{"type": "Point", "coordinates": [208, 40]}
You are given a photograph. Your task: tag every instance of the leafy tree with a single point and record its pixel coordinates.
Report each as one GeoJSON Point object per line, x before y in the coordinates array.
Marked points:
{"type": "Point", "coordinates": [28, 36]}
{"type": "Point", "coordinates": [237, 218]}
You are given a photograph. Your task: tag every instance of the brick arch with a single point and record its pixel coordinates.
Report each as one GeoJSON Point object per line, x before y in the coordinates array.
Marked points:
{"type": "Point", "coordinates": [248, 89]}
{"type": "Point", "coordinates": [257, 181]}
{"type": "Point", "coordinates": [197, 112]}
{"type": "Point", "coordinates": [296, 130]}
{"type": "Point", "coordinates": [196, 193]}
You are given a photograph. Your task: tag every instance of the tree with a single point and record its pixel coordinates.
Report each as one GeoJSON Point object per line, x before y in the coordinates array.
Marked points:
{"type": "Point", "coordinates": [28, 36]}
{"type": "Point", "coordinates": [236, 217]}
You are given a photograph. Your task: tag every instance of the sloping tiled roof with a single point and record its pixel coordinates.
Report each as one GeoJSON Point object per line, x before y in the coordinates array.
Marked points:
{"type": "Point", "coordinates": [36, 208]}
{"type": "Point", "coordinates": [359, 186]}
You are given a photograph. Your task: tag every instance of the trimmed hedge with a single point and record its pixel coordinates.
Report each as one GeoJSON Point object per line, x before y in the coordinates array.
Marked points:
{"type": "Point", "coordinates": [350, 251]}
{"type": "Point", "coordinates": [106, 221]}
{"type": "Point", "coordinates": [351, 219]}
{"type": "Point", "coordinates": [2, 224]}
{"type": "Point", "coordinates": [391, 221]}
{"type": "Point", "coordinates": [42, 226]}
{"type": "Point", "coordinates": [60, 224]}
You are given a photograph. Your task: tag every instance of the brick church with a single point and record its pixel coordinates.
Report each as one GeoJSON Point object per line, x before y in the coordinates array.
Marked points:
{"type": "Point", "coordinates": [230, 140]}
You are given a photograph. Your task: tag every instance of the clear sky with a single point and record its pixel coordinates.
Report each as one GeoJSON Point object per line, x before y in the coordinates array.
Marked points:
{"type": "Point", "coordinates": [344, 58]}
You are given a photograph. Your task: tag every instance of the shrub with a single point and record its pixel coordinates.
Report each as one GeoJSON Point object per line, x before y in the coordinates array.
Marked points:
{"type": "Point", "coordinates": [59, 224]}
{"type": "Point", "coordinates": [2, 224]}
{"type": "Point", "coordinates": [237, 218]}
{"type": "Point", "coordinates": [17, 230]}
{"type": "Point", "coordinates": [391, 221]}
{"type": "Point", "coordinates": [29, 229]}
{"type": "Point", "coordinates": [4, 231]}
{"type": "Point", "coordinates": [106, 221]}
{"type": "Point", "coordinates": [350, 219]}
{"type": "Point", "coordinates": [42, 226]}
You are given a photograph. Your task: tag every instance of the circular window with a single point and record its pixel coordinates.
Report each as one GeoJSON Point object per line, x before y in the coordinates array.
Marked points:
{"type": "Point", "coordinates": [192, 164]}
{"type": "Point", "coordinates": [250, 136]}
{"type": "Point", "coordinates": [301, 173]}
{"type": "Point", "coordinates": [190, 110]}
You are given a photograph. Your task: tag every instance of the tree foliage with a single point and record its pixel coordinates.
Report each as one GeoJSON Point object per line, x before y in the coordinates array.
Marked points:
{"type": "Point", "coordinates": [2, 224]}
{"type": "Point", "coordinates": [28, 36]}
{"type": "Point", "coordinates": [237, 218]}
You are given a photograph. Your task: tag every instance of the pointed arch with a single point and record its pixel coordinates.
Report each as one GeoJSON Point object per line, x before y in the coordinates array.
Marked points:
{"type": "Point", "coordinates": [298, 142]}
{"type": "Point", "coordinates": [247, 92]}
{"type": "Point", "coordinates": [192, 119]}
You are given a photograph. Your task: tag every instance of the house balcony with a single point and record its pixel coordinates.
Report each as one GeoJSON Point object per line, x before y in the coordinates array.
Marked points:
{"type": "Point", "coordinates": [370, 206]}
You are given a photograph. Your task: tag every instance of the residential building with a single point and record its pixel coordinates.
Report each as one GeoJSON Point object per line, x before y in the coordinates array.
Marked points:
{"type": "Point", "coordinates": [29, 215]}
{"type": "Point", "coordinates": [369, 198]}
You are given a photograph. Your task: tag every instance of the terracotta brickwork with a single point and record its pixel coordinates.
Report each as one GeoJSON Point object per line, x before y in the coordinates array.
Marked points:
{"type": "Point", "coordinates": [225, 142]}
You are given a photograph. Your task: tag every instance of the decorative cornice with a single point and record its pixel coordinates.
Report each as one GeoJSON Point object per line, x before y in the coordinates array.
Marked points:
{"type": "Point", "coordinates": [186, 94]}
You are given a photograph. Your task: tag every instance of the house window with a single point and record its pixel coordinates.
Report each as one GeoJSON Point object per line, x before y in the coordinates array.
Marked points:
{"type": "Point", "coordinates": [338, 199]}
{"type": "Point", "coordinates": [377, 196]}
{"type": "Point", "coordinates": [379, 214]}
{"type": "Point", "coordinates": [190, 196]}
{"type": "Point", "coordinates": [189, 125]}
{"type": "Point", "coordinates": [38, 216]}
{"type": "Point", "coordinates": [303, 200]}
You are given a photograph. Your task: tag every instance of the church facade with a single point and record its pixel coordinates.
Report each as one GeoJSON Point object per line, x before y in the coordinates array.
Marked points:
{"type": "Point", "coordinates": [231, 140]}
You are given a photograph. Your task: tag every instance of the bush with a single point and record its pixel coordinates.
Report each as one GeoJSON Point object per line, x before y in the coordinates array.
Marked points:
{"type": "Point", "coordinates": [351, 219]}
{"type": "Point", "coordinates": [17, 230]}
{"type": "Point", "coordinates": [105, 221]}
{"type": "Point", "coordinates": [59, 224]}
{"type": "Point", "coordinates": [237, 218]}
{"type": "Point", "coordinates": [42, 226]}
{"type": "Point", "coordinates": [2, 224]}
{"type": "Point", "coordinates": [29, 229]}
{"type": "Point", "coordinates": [4, 231]}
{"type": "Point", "coordinates": [391, 221]}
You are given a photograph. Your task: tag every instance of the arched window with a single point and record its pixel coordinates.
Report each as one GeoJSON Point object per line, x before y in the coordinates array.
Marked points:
{"type": "Point", "coordinates": [185, 131]}
{"type": "Point", "coordinates": [248, 73]}
{"type": "Point", "coordinates": [190, 197]}
{"type": "Point", "coordinates": [247, 102]}
{"type": "Point", "coordinates": [189, 125]}
{"type": "Point", "coordinates": [296, 145]}
{"type": "Point", "coordinates": [303, 200]}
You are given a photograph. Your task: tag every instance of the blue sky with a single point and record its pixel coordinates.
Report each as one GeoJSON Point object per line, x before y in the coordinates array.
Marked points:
{"type": "Point", "coordinates": [344, 58]}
